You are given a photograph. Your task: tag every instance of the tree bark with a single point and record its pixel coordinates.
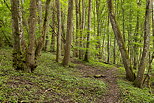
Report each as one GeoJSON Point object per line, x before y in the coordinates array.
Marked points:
{"type": "Point", "coordinates": [53, 37]}
{"type": "Point", "coordinates": [77, 28]}
{"type": "Point", "coordinates": [17, 34]}
{"type": "Point", "coordinates": [30, 56]}
{"type": "Point", "coordinates": [120, 40]}
{"type": "Point", "coordinates": [82, 29]}
{"type": "Point", "coordinates": [88, 33]}
{"type": "Point", "coordinates": [98, 12]}
{"type": "Point", "coordinates": [140, 75]}
{"type": "Point", "coordinates": [135, 48]}
{"type": "Point", "coordinates": [41, 40]}
{"type": "Point", "coordinates": [39, 8]}
{"type": "Point", "coordinates": [108, 41]}
{"type": "Point", "coordinates": [59, 31]}
{"type": "Point", "coordinates": [66, 58]}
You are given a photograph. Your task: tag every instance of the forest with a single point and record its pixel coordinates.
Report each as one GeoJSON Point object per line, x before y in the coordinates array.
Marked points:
{"type": "Point", "coordinates": [77, 51]}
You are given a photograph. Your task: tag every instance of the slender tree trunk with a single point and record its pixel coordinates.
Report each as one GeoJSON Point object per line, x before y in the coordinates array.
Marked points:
{"type": "Point", "coordinates": [77, 27]}
{"type": "Point", "coordinates": [124, 53]}
{"type": "Point", "coordinates": [53, 37]}
{"type": "Point", "coordinates": [114, 47]}
{"type": "Point", "coordinates": [69, 33]}
{"type": "Point", "coordinates": [82, 29]}
{"type": "Point", "coordinates": [108, 41]}
{"type": "Point", "coordinates": [59, 31]}
{"type": "Point", "coordinates": [39, 8]}
{"type": "Point", "coordinates": [98, 27]}
{"type": "Point", "coordinates": [88, 34]}
{"type": "Point", "coordinates": [63, 26]}
{"type": "Point", "coordinates": [130, 47]}
{"type": "Point", "coordinates": [41, 41]}
{"type": "Point", "coordinates": [123, 19]}
{"type": "Point", "coordinates": [114, 51]}
{"type": "Point", "coordinates": [46, 47]}
{"type": "Point", "coordinates": [135, 48]}
{"type": "Point", "coordinates": [140, 75]}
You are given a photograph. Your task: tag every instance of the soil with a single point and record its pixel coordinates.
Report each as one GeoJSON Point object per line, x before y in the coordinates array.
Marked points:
{"type": "Point", "coordinates": [108, 75]}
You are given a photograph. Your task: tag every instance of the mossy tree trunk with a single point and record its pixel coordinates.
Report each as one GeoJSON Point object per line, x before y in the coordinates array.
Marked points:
{"type": "Point", "coordinates": [24, 58]}
{"type": "Point", "coordinates": [17, 34]}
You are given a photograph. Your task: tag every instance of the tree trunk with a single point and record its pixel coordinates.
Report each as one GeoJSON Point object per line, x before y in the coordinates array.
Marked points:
{"type": "Point", "coordinates": [81, 30]}
{"type": "Point", "coordinates": [123, 19]}
{"type": "Point", "coordinates": [135, 48]}
{"type": "Point", "coordinates": [47, 40]}
{"type": "Point", "coordinates": [140, 75]}
{"type": "Point", "coordinates": [41, 41]}
{"type": "Point", "coordinates": [59, 31]}
{"type": "Point", "coordinates": [77, 28]}
{"type": "Point", "coordinates": [119, 37]}
{"type": "Point", "coordinates": [53, 37]}
{"type": "Point", "coordinates": [16, 20]}
{"type": "Point", "coordinates": [108, 41]}
{"type": "Point", "coordinates": [98, 12]}
{"type": "Point", "coordinates": [66, 58]}
{"type": "Point", "coordinates": [88, 34]}
{"type": "Point", "coordinates": [30, 56]}
{"type": "Point", "coordinates": [39, 8]}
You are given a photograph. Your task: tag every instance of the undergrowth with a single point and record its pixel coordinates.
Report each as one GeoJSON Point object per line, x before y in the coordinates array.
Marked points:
{"type": "Point", "coordinates": [50, 82]}
{"type": "Point", "coordinates": [96, 63]}
{"type": "Point", "coordinates": [131, 94]}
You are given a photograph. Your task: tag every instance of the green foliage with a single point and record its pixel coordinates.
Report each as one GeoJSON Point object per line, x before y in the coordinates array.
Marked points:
{"type": "Point", "coordinates": [5, 25]}
{"type": "Point", "coordinates": [99, 64]}
{"type": "Point", "coordinates": [131, 94]}
{"type": "Point", "coordinates": [49, 83]}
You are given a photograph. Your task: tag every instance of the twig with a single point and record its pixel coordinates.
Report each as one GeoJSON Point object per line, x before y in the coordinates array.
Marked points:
{"type": "Point", "coordinates": [7, 5]}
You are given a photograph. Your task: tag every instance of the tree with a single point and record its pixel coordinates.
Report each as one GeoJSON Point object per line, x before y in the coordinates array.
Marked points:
{"type": "Point", "coordinates": [140, 75]}
{"type": "Point", "coordinates": [66, 58]}
{"type": "Point", "coordinates": [53, 37]}
{"type": "Point", "coordinates": [17, 34]}
{"type": "Point", "coordinates": [45, 27]}
{"type": "Point", "coordinates": [136, 34]}
{"type": "Point", "coordinates": [82, 29]}
{"type": "Point", "coordinates": [59, 31]}
{"type": "Point", "coordinates": [86, 58]}
{"type": "Point", "coordinates": [98, 12]}
{"type": "Point", "coordinates": [30, 55]}
{"type": "Point", "coordinates": [120, 40]}
{"type": "Point", "coordinates": [24, 58]}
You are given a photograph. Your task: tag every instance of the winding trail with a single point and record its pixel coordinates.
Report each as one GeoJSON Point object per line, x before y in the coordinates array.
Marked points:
{"type": "Point", "coordinates": [108, 75]}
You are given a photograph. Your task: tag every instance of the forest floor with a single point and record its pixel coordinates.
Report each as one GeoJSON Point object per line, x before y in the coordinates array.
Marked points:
{"type": "Point", "coordinates": [81, 82]}
{"type": "Point", "coordinates": [109, 75]}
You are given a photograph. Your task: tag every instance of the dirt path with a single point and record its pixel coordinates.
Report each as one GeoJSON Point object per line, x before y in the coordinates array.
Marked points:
{"type": "Point", "coordinates": [109, 76]}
